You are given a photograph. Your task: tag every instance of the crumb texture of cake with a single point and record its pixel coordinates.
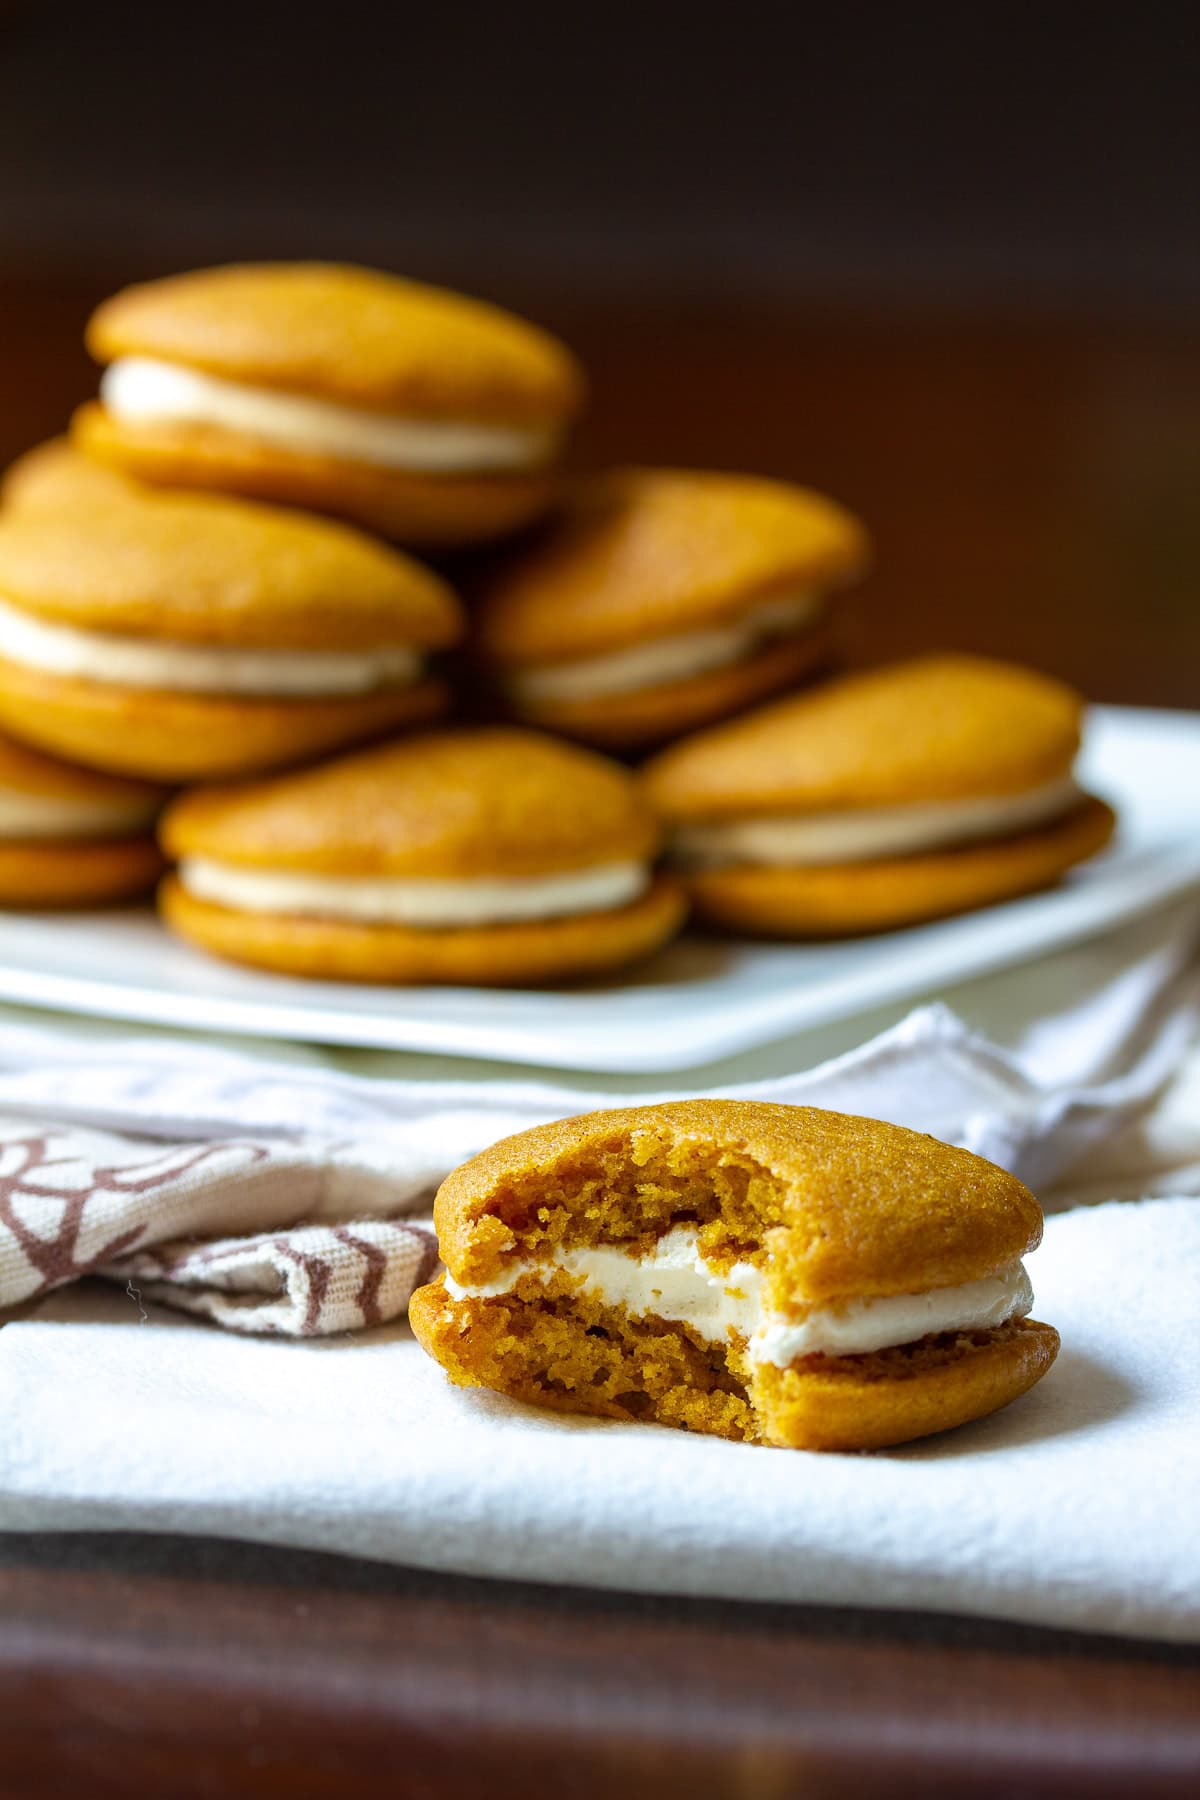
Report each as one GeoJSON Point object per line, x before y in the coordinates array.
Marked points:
{"type": "Point", "coordinates": [766, 1273]}
{"type": "Point", "coordinates": [571, 1352]}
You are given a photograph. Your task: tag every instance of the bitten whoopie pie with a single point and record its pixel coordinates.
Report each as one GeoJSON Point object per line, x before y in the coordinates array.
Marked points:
{"type": "Point", "coordinates": [660, 599]}
{"type": "Point", "coordinates": [771, 1274]}
{"type": "Point", "coordinates": [882, 799]}
{"type": "Point", "coordinates": [488, 856]}
{"type": "Point", "coordinates": [71, 837]}
{"type": "Point", "coordinates": [429, 417]}
{"type": "Point", "coordinates": [182, 637]}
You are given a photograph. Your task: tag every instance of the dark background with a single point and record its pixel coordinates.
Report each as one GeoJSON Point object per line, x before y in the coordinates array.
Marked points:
{"type": "Point", "coordinates": [941, 260]}
{"type": "Point", "coordinates": [1014, 153]}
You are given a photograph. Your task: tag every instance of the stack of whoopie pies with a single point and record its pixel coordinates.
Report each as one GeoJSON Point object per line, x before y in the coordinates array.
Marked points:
{"type": "Point", "coordinates": [216, 580]}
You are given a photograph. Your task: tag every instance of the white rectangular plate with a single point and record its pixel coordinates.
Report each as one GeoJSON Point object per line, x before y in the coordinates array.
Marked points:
{"type": "Point", "coordinates": [697, 1001]}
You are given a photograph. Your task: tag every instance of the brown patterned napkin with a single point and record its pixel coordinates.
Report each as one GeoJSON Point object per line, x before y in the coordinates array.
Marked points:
{"type": "Point", "coordinates": [160, 1219]}
{"type": "Point", "coordinates": [309, 1282]}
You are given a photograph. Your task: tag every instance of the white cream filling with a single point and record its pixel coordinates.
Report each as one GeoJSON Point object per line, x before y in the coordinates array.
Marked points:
{"type": "Point", "coordinates": [675, 1282]}
{"type": "Point", "coordinates": [198, 668]}
{"type": "Point", "coordinates": [667, 659]}
{"type": "Point", "coordinates": [24, 815]}
{"type": "Point", "coordinates": [143, 391]}
{"type": "Point", "coordinates": [873, 832]}
{"type": "Point", "coordinates": [428, 904]}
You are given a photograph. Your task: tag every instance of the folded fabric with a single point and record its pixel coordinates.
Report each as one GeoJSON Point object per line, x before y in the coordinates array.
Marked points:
{"type": "Point", "coordinates": [305, 1282]}
{"type": "Point", "coordinates": [1075, 1506]}
{"type": "Point", "coordinates": [213, 1227]}
{"type": "Point", "coordinates": [254, 1191]}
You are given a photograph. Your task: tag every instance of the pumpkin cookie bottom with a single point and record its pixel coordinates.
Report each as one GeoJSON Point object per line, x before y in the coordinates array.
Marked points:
{"type": "Point", "coordinates": [574, 1354]}
{"type": "Point", "coordinates": [65, 873]}
{"type": "Point", "coordinates": [650, 715]}
{"type": "Point", "coordinates": [848, 899]}
{"type": "Point", "coordinates": [177, 737]}
{"type": "Point", "coordinates": [425, 510]}
{"type": "Point", "coordinates": [533, 953]}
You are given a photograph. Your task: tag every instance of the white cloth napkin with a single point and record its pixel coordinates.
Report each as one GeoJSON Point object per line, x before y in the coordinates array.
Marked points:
{"type": "Point", "coordinates": [1076, 1506]}
{"type": "Point", "coordinates": [253, 1182]}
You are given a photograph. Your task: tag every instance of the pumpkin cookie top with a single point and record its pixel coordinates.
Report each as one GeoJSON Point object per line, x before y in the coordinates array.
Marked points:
{"type": "Point", "coordinates": [938, 728]}
{"type": "Point", "coordinates": [54, 477]}
{"type": "Point", "coordinates": [840, 1207]}
{"type": "Point", "coordinates": [206, 569]}
{"type": "Point", "coordinates": [639, 554]}
{"type": "Point", "coordinates": [354, 336]}
{"type": "Point", "coordinates": [454, 804]}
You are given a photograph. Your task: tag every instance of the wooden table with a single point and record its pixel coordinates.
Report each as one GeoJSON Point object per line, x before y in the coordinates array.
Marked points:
{"type": "Point", "coordinates": [172, 1668]}
{"type": "Point", "coordinates": [1031, 486]}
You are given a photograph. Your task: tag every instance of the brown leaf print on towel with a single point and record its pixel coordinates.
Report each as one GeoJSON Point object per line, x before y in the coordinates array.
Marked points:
{"type": "Point", "coordinates": [315, 1272]}
{"type": "Point", "coordinates": [311, 1281]}
{"type": "Point", "coordinates": [229, 1229]}
{"type": "Point", "coordinates": [53, 1252]}
{"type": "Point", "coordinates": [376, 1260]}
{"type": "Point", "coordinates": [53, 1258]}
